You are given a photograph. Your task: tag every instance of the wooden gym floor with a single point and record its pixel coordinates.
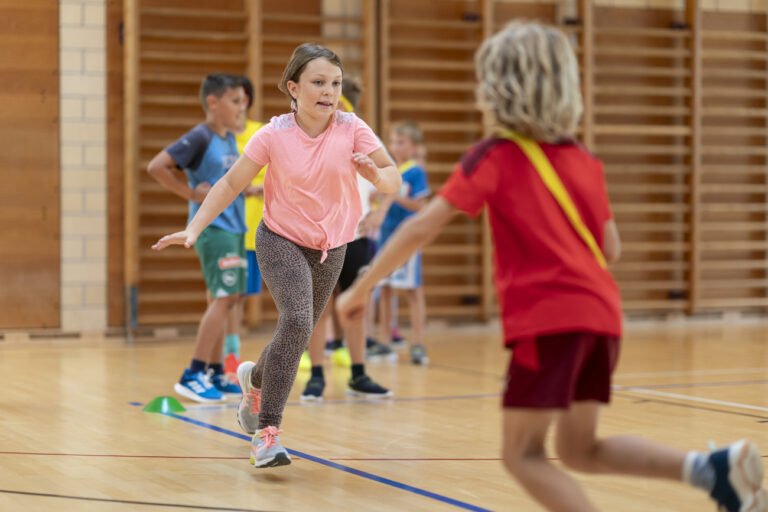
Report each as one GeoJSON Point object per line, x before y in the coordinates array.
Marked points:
{"type": "Point", "coordinates": [74, 436]}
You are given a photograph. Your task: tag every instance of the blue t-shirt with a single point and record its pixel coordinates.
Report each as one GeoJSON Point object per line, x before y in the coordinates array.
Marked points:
{"type": "Point", "coordinates": [205, 156]}
{"type": "Point", "coordinates": [414, 186]}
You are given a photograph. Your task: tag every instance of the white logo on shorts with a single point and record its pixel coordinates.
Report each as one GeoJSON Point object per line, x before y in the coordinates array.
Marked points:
{"type": "Point", "coordinates": [229, 278]}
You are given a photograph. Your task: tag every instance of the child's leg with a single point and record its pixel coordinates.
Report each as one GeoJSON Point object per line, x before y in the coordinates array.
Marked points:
{"type": "Point", "coordinates": [580, 450]}
{"type": "Point", "coordinates": [418, 313]}
{"type": "Point", "coordinates": [355, 336]}
{"type": "Point", "coordinates": [317, 340]}
{"type": "Point", "coordinates": [385, 314]}
{"type": "Point", "coordinates": [232, 334]}
{"type": "Point", "coordinates": [524, 456]}
{"type": "Point", "coordinates": [301, 289]}
{"type": "Point", "coordinates": [210, 334]}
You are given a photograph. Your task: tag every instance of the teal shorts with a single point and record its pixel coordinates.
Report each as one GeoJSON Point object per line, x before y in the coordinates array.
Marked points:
{"type": "Point", "coordinates": [222, 258]}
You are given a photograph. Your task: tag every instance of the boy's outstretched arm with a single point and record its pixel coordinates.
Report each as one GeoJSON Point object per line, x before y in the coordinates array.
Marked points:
{"type": "Point", "coordinates": [221, 195]}
{"type": "Point", "coordinates": [413, 234]}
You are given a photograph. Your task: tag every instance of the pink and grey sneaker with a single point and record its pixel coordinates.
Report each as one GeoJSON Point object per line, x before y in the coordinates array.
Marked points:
{"type": "Point", "coordinates": [250, 404]}
{"type": "Point", "coordinates": [266, 450]}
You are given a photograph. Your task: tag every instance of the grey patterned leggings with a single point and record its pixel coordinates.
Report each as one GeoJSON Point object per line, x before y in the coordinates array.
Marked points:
{"type": "Point", "coordinates": [301, 287]}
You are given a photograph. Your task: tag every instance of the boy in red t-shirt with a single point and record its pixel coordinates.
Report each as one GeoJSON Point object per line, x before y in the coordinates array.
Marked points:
{"type": "Point", "coordinates": [560, 306]}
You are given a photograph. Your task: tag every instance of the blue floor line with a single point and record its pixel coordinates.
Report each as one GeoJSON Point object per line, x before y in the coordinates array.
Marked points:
{"type": "Point", "coordinates": [335, 465]}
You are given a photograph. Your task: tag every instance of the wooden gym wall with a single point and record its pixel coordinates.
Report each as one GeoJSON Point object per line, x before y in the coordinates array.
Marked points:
{"type": "Point", "coordinates": [675, 105]}
{"type": "Point", "coordinates": [29, 165]}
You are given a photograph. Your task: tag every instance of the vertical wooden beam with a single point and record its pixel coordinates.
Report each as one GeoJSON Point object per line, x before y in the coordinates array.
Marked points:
{"type": "Point", "coordinates": [587, 42]}
{"type": "Point", "coordinates": [253, 8]}
{"type": "Point", "coordinates": [693, 19]}
{"type": "Point", "coordinates": [369, 62]}
{"type": "Point", "coordinates": [488, 291]}
{"type": "Point", "coordinates": [384, 89]}
{"type": "Point", "coordinates": [131, 151]}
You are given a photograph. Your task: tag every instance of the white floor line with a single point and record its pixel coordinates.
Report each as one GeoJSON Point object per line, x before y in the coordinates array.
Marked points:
{"type": "Point", "coordinates": [689, 398]}
{"type": "Point", "coordinates": [685, 373]}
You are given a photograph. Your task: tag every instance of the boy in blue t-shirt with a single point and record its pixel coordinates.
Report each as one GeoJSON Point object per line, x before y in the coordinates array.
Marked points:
{"type": "Point", "coordinates": [404, 144]}
{"type": "Point", "coordinates": [205, 153]}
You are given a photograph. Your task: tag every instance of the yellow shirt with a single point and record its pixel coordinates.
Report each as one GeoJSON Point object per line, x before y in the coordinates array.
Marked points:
{"type": "Point", "coordinates": [254, 206]}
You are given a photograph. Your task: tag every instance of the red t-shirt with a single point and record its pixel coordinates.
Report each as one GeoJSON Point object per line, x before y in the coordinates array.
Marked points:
{"type": "Point", "coordinates": [547, 279]}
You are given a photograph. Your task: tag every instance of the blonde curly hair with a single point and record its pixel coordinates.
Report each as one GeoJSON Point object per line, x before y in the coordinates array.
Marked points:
{"type": "Point", "coordinates": [528, 79]}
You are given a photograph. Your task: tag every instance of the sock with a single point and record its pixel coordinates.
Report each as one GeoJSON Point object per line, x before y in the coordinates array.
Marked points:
{"type": "Point", "coordinates": [317, 372]}
{"type": "Point", "coordinates": [197, 366]}
{"type": "Point", "coordinates": [698, 472]}
{"type": "Point", "coordinates": [232, 344]}
{"type": "Point", "coordinates": [358, 370]}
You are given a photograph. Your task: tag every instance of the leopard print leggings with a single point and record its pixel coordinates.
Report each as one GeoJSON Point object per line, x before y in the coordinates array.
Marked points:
{"type": "Point", "coordinates": [301, 287]}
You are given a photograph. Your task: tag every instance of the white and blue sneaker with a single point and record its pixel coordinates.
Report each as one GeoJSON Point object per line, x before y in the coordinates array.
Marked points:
{"type": "Point", "coordinates": [224, 385]}
{"type": "Point", "coordinates": [738, 478]}
{"type": "Point", "coordinates": [197, 387]}
{"type": "Point", "coordinates": [266, 450]}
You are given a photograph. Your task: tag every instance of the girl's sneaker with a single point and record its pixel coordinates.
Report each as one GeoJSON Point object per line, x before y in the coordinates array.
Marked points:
{"type": "Point", "coordinates": [197, 387]}
{"type": "Point", "coordinates": [419, 355]}
{"type": "Point", "coordinates": [266, 450]}
{"type": "Point", "coordinates": [250, 405]}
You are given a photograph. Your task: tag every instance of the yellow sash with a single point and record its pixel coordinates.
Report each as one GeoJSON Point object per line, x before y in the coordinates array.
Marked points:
{"type": "Point", "coordinates": [406, 165]}
{"type": "Point", "coordinates": [552, 181]}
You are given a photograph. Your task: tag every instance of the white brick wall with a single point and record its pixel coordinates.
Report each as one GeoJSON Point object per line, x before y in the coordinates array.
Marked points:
{"type": "Point", "coordinates": [82, 51]}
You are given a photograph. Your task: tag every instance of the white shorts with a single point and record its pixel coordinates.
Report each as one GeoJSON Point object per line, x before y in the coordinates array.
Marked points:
{"type": "Point", "coordinates": [407, 277]}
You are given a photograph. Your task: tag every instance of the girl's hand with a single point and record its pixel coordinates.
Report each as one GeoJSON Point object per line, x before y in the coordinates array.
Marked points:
{"type": "Point", "coordinates": [366, 167]}
{"type": "Point", "coordinates": [184, 238]}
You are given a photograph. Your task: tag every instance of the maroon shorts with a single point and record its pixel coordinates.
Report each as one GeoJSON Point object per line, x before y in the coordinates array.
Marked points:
{"type": "Point", "coordinates": [550, 372]}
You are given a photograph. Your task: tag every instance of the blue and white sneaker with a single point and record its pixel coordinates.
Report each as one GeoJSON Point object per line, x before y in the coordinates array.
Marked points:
{"type": "Point", "coordinates": [266, 450]}
{"type": "Point", "coordinates": [739, 478]}
{"type": "Point", "coordinates": [224, 384]}
{"type": "Point", "coordinates": [197, 387]}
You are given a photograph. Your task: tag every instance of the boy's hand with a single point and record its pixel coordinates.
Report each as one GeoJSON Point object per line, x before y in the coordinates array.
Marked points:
{"type": "Point", "coordinates": [366, 167]}
{"type": "Point", "coordinates": [200, 191]}
{"type": "Point", "coordinates": [184, 238]}
{"type": "Point", "coordinates": [350, 305]}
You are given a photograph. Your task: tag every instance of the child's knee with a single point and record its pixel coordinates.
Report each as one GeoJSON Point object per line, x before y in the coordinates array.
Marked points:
{"type": "Point", "coordinates": [578, 457]}
{"type": "Point", "coordinates": [515, 455]}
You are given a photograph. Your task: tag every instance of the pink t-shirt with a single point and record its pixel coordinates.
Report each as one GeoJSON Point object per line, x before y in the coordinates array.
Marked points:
{"type": "Point", "coordinates": [310, 192]}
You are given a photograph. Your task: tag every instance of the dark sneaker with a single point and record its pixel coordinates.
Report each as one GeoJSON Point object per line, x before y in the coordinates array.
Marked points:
{"type": "Point", "coordinates": [397, 340]}
{"type": "Point", "coordinates": [314, 390]}
{"type": "Point", "coordinates": [419, 354]}
{"type": "Point", "coordinates": [739, 478]}
{"type": "Point", "coordinates": [381, 352]}
{"type": "Point", "coordinates": [370, 342]}
{"type": "Point", "coordinates": [332, 345]}
{"type": "Point", "coordinates": [367, 387]}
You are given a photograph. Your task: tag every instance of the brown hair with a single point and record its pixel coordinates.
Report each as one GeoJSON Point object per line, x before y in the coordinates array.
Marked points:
{"type": "Point", "coordinates": [351, 88]}
{"type": "Point", "coordinates": [410, 129]}
{"type": "Point", "coordinates": [303, 55]}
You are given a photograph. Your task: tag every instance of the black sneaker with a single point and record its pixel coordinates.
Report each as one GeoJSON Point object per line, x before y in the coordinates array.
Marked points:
{"type": "Point", "coordinates": [314, 390]}
{"type": "Point", "coordinates": [370, 342]}
{"type": "Point", "coordinates": [398, 341]}
{"type": "Point", "coordinates": [419, 354]}
{"type": "Point", "coordinates": [367, 387]}
{"type": "Point", "coordinates": [332, 345]}
{"type": "Point", "coordinates": [381, 352]}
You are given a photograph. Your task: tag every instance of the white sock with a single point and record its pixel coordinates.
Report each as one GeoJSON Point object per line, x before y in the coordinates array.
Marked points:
{"type": "Point", "coordinates": [698, 472]}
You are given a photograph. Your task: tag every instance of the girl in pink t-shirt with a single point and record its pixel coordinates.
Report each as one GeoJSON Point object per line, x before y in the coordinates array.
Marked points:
{"type": "Point", "coordinates": [311, 210]}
